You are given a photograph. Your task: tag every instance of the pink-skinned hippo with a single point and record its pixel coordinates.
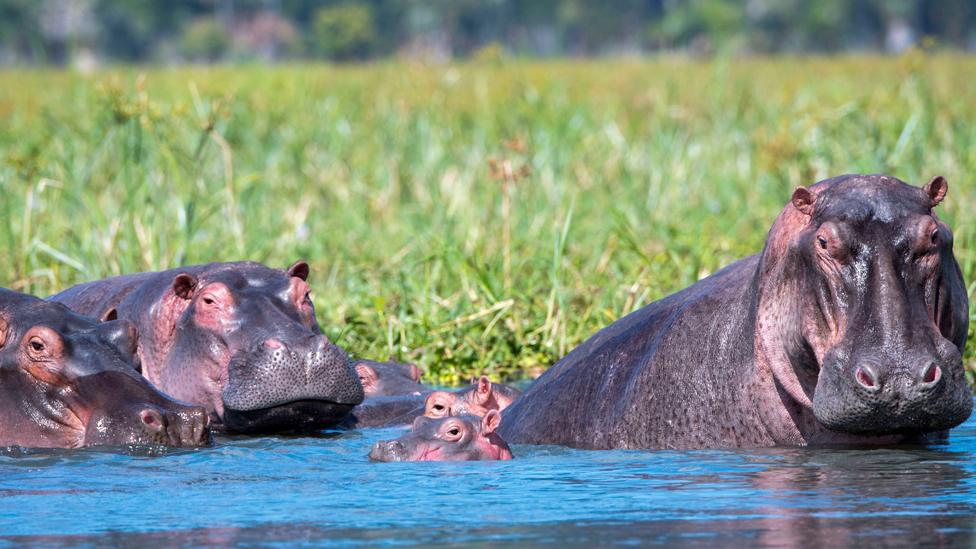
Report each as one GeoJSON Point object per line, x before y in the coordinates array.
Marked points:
{"type": "Point", "coordinates": [388, 411]}
{"type": "Point", "coordinates": [239, 338]}
{"type": "Point", "coordinates": [68, 381]}
{"type": "Point", "coordinates": [482, 397]}
{"type": "Point", "coordinates": [451, 438]}
{"type": "Point", "coordinates": [848, 328]}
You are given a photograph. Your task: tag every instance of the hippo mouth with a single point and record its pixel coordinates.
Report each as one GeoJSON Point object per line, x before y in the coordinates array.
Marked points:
{"type": "Point", "coordinates": [300, 416]}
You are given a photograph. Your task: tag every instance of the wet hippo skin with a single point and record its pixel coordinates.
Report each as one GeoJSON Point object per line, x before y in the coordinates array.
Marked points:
{"type": "Point", "coordinates": [847, 328]}
{"type": "Point", "coordinates": [67, 381]}
{"type": "Point", "coordinates": [451, 438]}
{"type": "Point", "coordinates": [396, 410]}
{"type": "Point", "coordinates": [239, 338]}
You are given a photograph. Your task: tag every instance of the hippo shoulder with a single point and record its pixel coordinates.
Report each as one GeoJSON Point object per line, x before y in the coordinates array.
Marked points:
{"type": "Point", "coordinates": [651, 354]}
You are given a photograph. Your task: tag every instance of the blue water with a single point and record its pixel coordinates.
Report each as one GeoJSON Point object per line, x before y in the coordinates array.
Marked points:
{"type": "Point", "coordinates": [311, 491]}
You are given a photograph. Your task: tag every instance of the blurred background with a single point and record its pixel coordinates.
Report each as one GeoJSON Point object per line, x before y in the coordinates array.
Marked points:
{"type": "Point", "coordinates": [88, 32]}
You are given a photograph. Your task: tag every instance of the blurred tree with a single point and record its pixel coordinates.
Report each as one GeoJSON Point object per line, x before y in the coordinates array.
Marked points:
{"type": "Point", "coordinates": [345, 31]}
{"type": "Point", "coordinates": [204, 39]}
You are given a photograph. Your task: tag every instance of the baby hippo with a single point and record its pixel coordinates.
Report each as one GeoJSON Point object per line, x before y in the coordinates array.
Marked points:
{"type": "Point", "coordinates": [381, 379]}
{"type": "Point", "coordinates": [477, 400]}
{"type": "Point", "coordinates": [452, 438]}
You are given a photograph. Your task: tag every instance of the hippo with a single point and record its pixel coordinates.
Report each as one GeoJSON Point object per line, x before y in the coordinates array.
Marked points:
{"type": "Point", "coordinates": [389, 411]}
{"type": "Point", "coordinates": [451, 438]}
{"type": "Point", "coordinates": [68, 381]}
{"type": "Point", "coordinates": [476, 400]}
{"type": "Point", "coordinates": [847, 328]}
{"type": "Point", "coordinates": [388, 378]}
{"type": "Point", "coordinates": [239, 338]}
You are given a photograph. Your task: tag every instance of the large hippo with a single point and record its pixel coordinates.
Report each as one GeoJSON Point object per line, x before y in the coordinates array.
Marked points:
{"type": "Point", "coordinates": [68, 381]}
{"type": "Point", "coordinates": [847, 328]}
{"type": "Point", "coordinates": [239, 338]}
{"type": "Point", "coordinates": [452, 438]}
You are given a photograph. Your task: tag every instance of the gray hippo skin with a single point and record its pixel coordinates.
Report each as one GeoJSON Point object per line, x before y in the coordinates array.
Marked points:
{"type": "Point", "coordinates": [383, 379]}
{"type": "Point", "coordinates": [240, 339]}
{"type": "Point", "coordinates": [67, 381]}
{"type": "Point", "coordinates": [848, 328]}
{"type": "Point", "coordinates": [452, 438]}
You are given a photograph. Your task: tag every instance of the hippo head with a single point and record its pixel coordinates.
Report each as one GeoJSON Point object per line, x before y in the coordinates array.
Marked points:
{"type": "Point", "coordinates": [476, 400]}
{"type": "Point", "coordinates": [388, 378]}
{"type": "Point", "coordinates": [67, 381]}
{"type": "Point", "coordinates": [881, 305]}
{"type": "Point", "coordinates": [453, 438]}
{"type": "Point", "coordinates": [245, 343]}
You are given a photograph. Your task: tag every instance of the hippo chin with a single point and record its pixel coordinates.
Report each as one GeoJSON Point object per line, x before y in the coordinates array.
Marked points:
{"type": "Point", "coordinates": [847, 328]}
{"type": "Point", "coordinates": [67, 381]}
{"type": "Point", "coordinates": [238, 338]}
{"type": "Point", "coordinates": [451, 438]}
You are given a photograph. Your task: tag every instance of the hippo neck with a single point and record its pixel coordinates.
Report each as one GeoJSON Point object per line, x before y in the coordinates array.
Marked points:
{"type": "Point", "coordinates": [786, 364]}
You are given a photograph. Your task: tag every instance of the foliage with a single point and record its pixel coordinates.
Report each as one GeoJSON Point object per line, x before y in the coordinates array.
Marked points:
{"type": "Point", "coordinates": [136, 30]}
{"type": "Point", "coordinates": [343, 32]}
{"type": "Point", "coordinates": [627, 181]}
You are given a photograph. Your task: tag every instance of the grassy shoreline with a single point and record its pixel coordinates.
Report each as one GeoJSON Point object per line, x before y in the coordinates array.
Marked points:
{"type": "Point", "coordinates": [640, 178]}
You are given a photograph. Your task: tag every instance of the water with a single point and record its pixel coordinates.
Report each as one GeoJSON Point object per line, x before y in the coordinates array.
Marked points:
{"type": "Point", "coordinates": [313, 491]}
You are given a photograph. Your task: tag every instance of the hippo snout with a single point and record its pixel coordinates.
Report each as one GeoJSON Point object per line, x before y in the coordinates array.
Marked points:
{"type": "Point", "coordinates": [302, 384]}
{"type": "Point", "coordinates": [875, 396]}
{"type": "Point", "coordinates": [388, 450]}
{"type": "Point", "coordinates": [188, 426]}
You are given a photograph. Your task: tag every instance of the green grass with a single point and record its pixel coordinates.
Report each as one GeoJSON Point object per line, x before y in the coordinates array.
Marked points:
{"type": "Point", "coordinates": [642, 178]}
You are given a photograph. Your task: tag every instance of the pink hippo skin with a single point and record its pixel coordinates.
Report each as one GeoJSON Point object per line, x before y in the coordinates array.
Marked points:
{"type": "Point", "coordinates": [848, 328]}
{"type": "Point", "coordinates": [451, 438]}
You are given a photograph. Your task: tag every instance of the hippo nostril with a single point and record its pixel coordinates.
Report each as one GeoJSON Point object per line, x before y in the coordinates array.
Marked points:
{"type": "Point", "coordinates": [931, 374]}
{"type": "Point", "coordinates": [866, 378]}
{"type": "Point", "coordinates": [152, 419]}
{"type": "Point", "coordinates": [272, 343]}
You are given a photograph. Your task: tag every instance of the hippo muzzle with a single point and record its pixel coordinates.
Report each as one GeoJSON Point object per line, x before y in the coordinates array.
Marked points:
{"type": "Point", "coordinates": [304, 386]}
{"type": "Point", "coordinates": [875, 393]}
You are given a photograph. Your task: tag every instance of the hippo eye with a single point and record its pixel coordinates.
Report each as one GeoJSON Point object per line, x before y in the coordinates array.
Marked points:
{"type": "Point", "coordinates": [935, 236]}
{"type": "Point", "coordinates": [308, 296]}
{"type": "Point", "coordinates": [37, 345]}
{"type": "Point", "coordinates": [208, 300]}
{"type": "Point", "coordinates": [454, 431]}
{"type": "Point", "coordinates": [822, 241]}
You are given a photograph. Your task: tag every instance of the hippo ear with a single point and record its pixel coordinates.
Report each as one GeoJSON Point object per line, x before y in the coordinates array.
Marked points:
{"type": "Point", "coordinates": [3, 332]}
{"type": "Point", "coordinates": [110, 315]}
{"type": "Point", "coordinates": [803, 199]}
{"type": "Point", "coordinates": [491, 422]}
{"type": "Point", "coordinates": [184, 284]}
{"type": "Point", "coordinates": [122, 335]}
{"type": "Point", "coordinates": [299, 269]}
{"type": "Point", "coordinates": [936, 189]}
{"type": "Point", "coordinates": [367, 376]}
{"type": "Point", "coordinates": [483, 390]}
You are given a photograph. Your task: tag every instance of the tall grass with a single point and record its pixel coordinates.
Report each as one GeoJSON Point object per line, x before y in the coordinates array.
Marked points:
{"type": "Point", "coordinates": [626, 181]}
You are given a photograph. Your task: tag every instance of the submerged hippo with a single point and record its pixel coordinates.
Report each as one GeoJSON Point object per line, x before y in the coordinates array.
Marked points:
{"type": "Point", "coordinates": [453, 438]}
{"type": "Point", "coordinates": [388, 378]}
{"type": "Point", "coordinates": [847, 328]}
{"type": "Point", "coordinates": [240, 339]}
{"type": "Point", "coordinates": [477, 400]}
{"type": "Point", "coordinates": [389, 411]}
{"type": "Point", "coordinates": [67, 381]}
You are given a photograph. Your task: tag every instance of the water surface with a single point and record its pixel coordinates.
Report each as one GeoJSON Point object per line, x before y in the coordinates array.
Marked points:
{"type": "Point", "coordinates": [309, 491]}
